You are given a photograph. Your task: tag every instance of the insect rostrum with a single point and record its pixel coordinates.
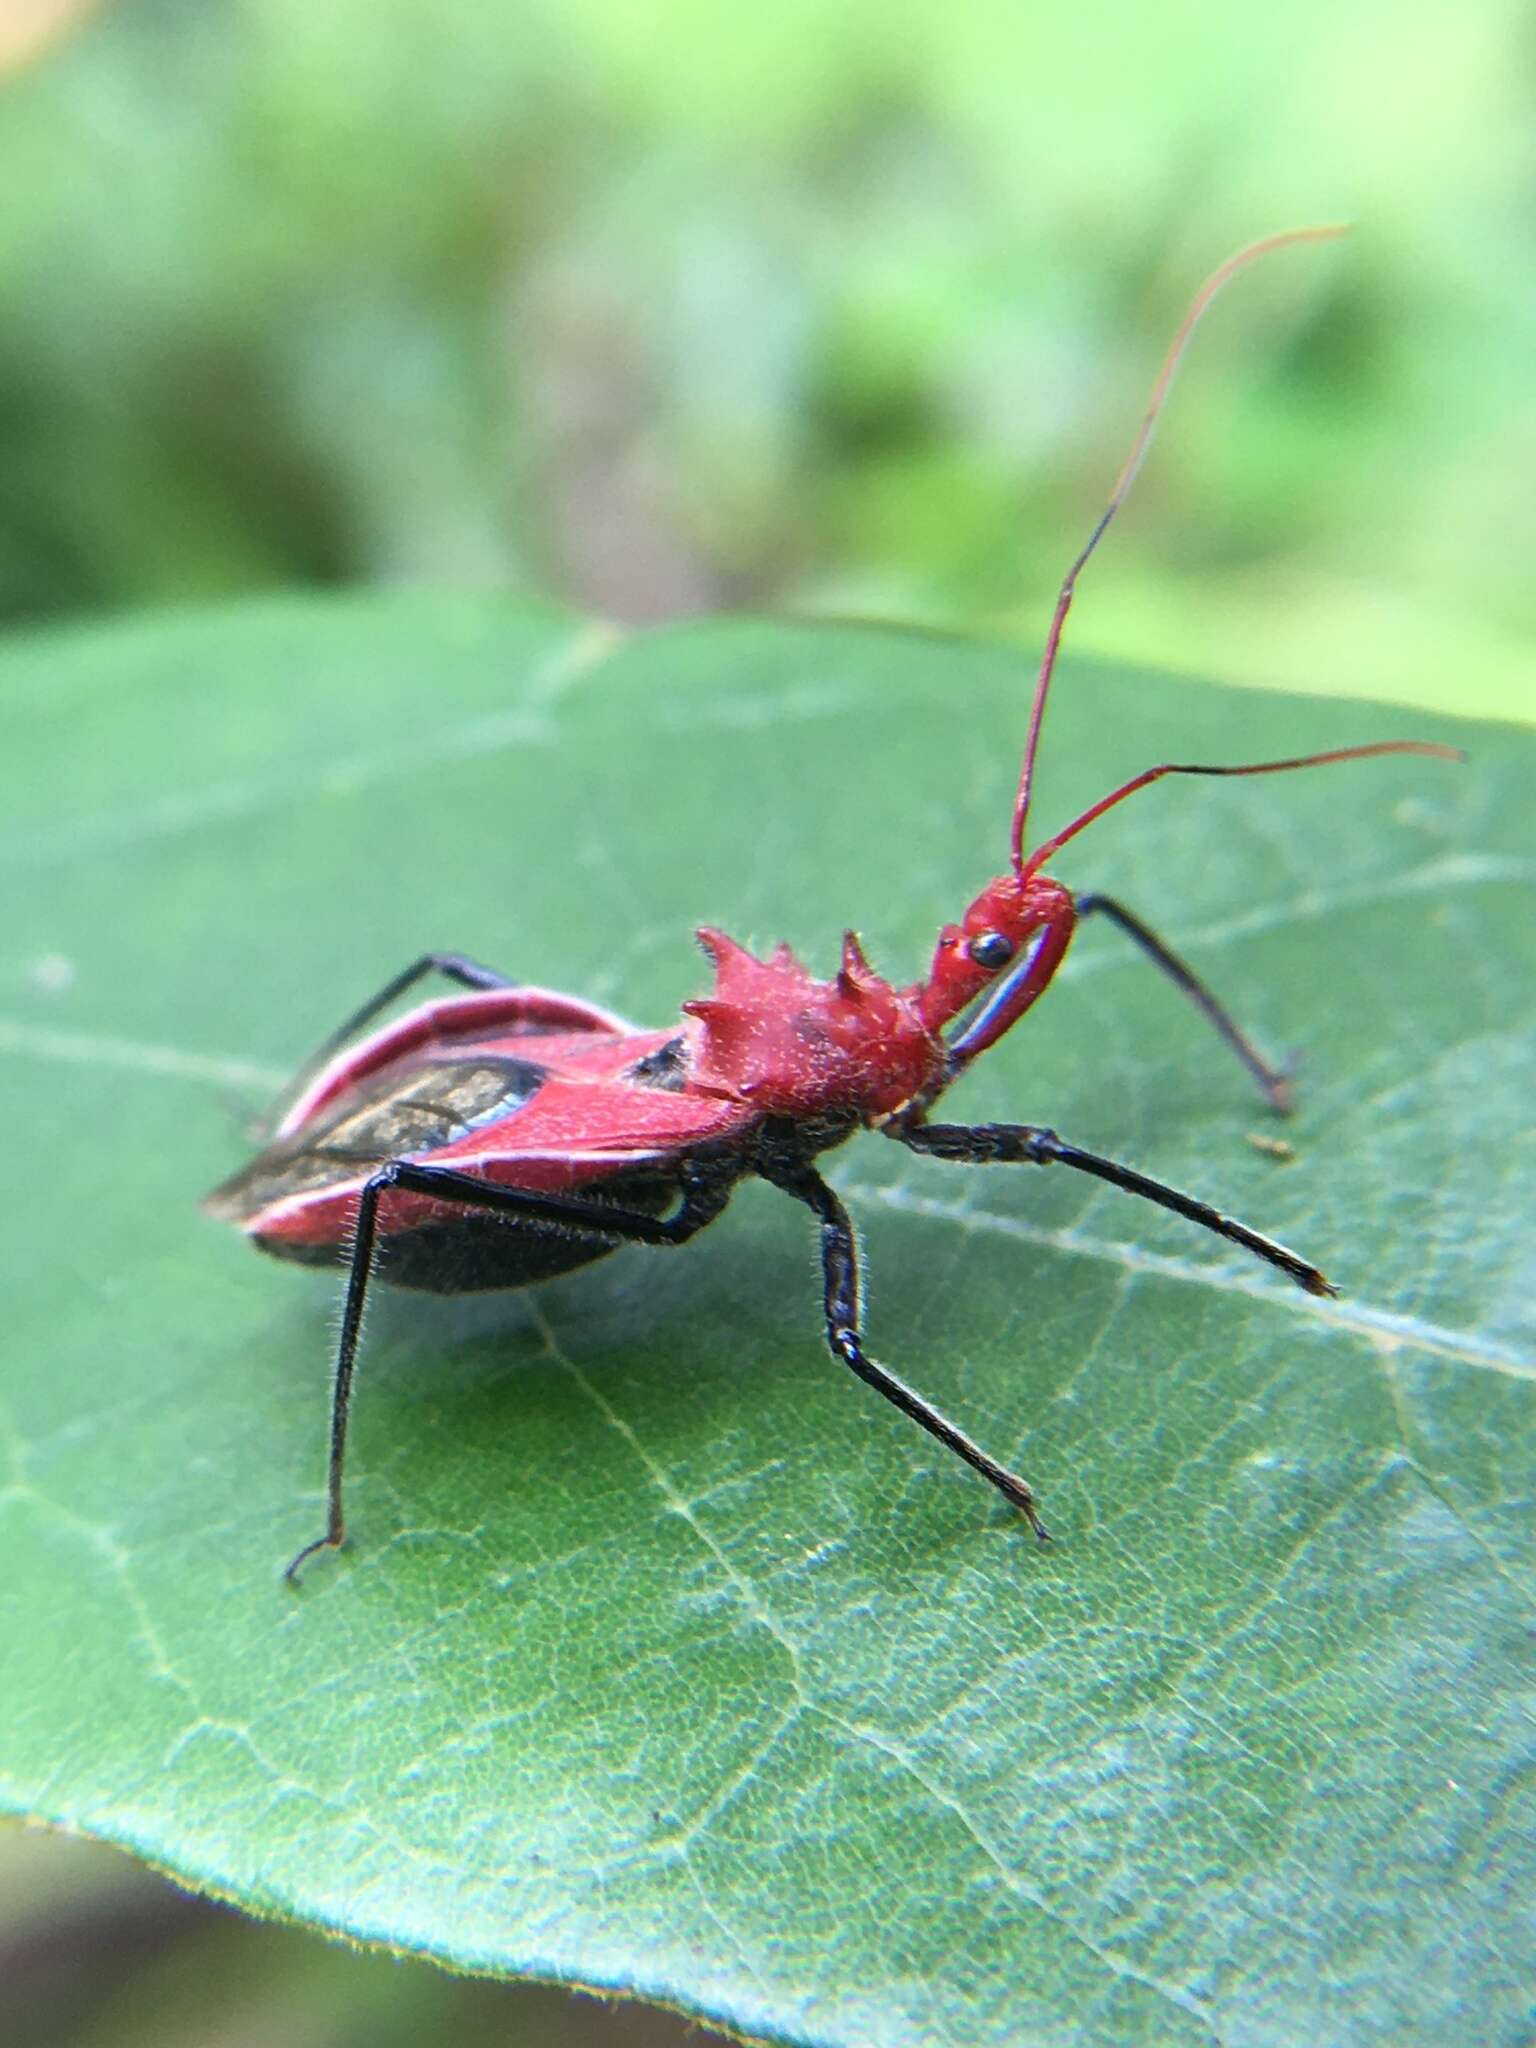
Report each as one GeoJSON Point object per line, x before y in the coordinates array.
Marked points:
{"type": "Point", "coordinates": [502, 1134]}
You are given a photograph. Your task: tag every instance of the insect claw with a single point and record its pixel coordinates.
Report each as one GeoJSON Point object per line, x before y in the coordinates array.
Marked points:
{"type": "Point", "coordinates": [291, 1575]}
{"type": "Point", "coordinates": [1020, 1496]}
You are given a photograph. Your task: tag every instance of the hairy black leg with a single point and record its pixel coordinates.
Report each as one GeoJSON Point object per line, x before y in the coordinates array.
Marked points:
{"type": "Point", "coordinates": [840, 1269]}
{"type": "Point", "coordinates": [1032, 1145]}
{"type": "Point", "coordinates": [1274, 1084]}
{"type": "Point", "coordinates": [455, 966]}
{"type": "Point", "coordinates": [704, 1195]}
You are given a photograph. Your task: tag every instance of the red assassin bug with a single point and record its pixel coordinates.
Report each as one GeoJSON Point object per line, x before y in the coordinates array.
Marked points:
{"type": "Point", "coordinates": [504, 1134]}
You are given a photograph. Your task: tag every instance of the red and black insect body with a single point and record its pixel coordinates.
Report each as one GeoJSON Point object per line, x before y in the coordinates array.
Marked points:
{"type": "Point", "coordinates": [504, 1134]}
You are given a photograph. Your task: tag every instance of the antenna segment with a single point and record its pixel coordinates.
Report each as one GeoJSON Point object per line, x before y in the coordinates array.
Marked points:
{"type": "Point", "coordinates": [1117, 498]}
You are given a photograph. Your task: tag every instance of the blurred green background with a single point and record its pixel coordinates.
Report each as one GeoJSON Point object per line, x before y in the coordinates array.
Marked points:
{"type": "Point", "coordinates": [660, 306]}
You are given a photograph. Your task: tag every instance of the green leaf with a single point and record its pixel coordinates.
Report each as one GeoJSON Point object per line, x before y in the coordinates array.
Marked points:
{"type": "Point", "coordinates": [665, 1657]}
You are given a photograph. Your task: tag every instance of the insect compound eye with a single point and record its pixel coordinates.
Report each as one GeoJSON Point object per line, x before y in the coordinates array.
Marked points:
{"type": "Point", "coordinates": [991, 950]}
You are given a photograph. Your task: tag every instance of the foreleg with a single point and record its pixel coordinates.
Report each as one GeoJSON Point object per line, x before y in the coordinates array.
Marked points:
{"type": "Point", "coordinates": [1275, 1085]}
{"type": "Point", "coordinates": [1033, 1145]}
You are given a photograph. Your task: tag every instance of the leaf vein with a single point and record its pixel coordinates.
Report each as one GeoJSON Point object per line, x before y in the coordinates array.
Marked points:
{"type": "Point", "coordinates": [1378, 1326]}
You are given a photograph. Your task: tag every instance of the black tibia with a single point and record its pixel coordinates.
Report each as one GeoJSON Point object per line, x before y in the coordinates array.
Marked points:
{"type": "Point", "coordinates": [1275, 1085]}
{"type": "Point", "coordinates": [1032, 1145]}
{"type": "Point", "coordinates": [704, 1194]}
{"type": "Point", "coordinates": [840, 1268]}
{"type": "Point", "coordinates": [455, 966]}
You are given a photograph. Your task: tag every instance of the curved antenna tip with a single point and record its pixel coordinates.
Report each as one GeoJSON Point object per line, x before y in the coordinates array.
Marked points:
{"type": "Point", "coordinates": [1325, 231]}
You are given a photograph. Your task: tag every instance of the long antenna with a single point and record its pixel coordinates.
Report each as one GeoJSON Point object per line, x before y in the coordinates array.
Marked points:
{"type": "Point", "coordinates": [1122, 491]}
{"type": "Point", "coordinates": [1043, 853]}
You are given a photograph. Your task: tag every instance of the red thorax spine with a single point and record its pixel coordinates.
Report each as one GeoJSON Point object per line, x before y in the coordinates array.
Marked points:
{"type": "Point", "coordinates": [774, 1036]}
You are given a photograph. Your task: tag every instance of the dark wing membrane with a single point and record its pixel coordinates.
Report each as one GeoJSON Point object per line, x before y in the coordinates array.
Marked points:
{"type": "Point", "coordinates": [392, 1115]}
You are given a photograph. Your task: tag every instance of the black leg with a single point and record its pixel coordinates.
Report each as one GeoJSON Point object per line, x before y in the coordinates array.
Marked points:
{"type": "Point", "coordinates": [704, 1196]}
{"type": "Point", "coordinates": [1031, 1145]}
{"type": "Point", "coordinates": [1275, 1085]}
{"type": "Point", "coordinates": [840, 1268]}
{"type": "Point", "coordinates": [456, 966]}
